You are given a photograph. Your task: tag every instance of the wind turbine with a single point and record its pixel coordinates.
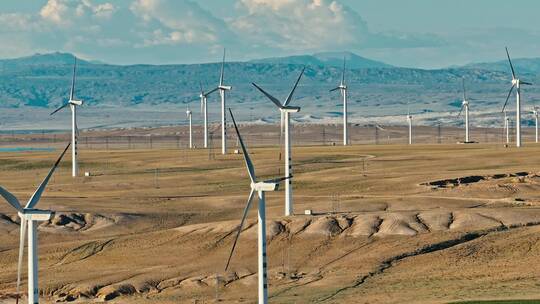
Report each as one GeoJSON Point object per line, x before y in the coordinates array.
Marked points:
{"type": "Point", "coordinates": [465, 105]}
{"type": "Point", "coordinates": [29, 217]}
{"type": "Point", "coordinates": [261, 187]}
{"type": "Point", "coordinates": [222, 90]}
{"type": "Point", "coordinates": [285, 110]}
{"type": "Point", "coordinates": [189, 114]}
{"type": "Point", "coordinates": [343, 90]}
{"type": "Point", "coordinates": [516, 83]}
{"type": "Point", "coordinates": [204, 111]}
{"type": "Point", "coordinates": [73, 104]}
{"type": "Point", "coordinates": [507, 127]}
{"type": "Point", "coordinates": [409, 120]}
{"type": "Point", "coordinates": [535, 113]}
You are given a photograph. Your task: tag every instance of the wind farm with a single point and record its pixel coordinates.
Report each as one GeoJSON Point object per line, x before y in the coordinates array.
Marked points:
{"type": "Point", "coordinates": [393, 176]}
{"type": "Point", "coordinates": [430, 222]}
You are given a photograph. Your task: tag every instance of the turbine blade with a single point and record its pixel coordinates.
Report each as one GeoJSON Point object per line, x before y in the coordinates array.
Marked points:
{"type": "Point", "coordinates": [244, 215]}
{"type": "Point", "coordinates": [272, 98]}
{"type": "Point", "coordinates": [211, 91]}
{"type": "Point", "coordinates": [282, 123]}
{"type": "Point", "coordinates": [464, 92]}
{"type": "Point", "coordinates": [222, 69]}
{"type": "Point", "coordinates": [63, 106]}
{"type": "Point", "coordinates": [72, 91]}
{"type": "Point", "coordinates": [37, 195]}
{"type": "Point", "coordinates": [249, 164]}
{"type": "Point", "coordinates": [202, 105]}
{"type": "Point", "coordinates": [278, 180]}
{"type": "Point", "coordinates": [460, 110]}
{"type": "Point", "coordinates": [22, 238]}
{"type": "Point", "coordinates": [335, 89]}
{"type": "Point", "coordinates": [525, 83]}
{"type": "Point", "coordinates": [288, 100]}
{"type": "Point", "coordinates": [343, 73]}
{"type": "Point", "coordinates": [511, 65]}
{"type": "Point", "coordinates": [200, 84]}
{"type": "Point", "coordinates": [508, 97]}
{"type": "Point", "coordinates": [11, 199]}
{"type": "Point", "coordinates": [76, 129]}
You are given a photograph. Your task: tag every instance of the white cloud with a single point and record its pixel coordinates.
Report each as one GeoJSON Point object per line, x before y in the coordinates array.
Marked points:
{"type": "Point", "coordinates": [159, 37]}
{"type": "Point", "coordinates": [64, 12]}
{"type": "Point", "coordinates": [149, 30]}
{"type": "Point", "coordinates": [104, 10]}
{"type": "Point", "coordinates": [55, 11]}
{"type": "Point", "coordinates": [178, 22]}
{"type": "Point", "coordinates": [14, 22]}
{"type": "Point", "coordinates": [301, 24]}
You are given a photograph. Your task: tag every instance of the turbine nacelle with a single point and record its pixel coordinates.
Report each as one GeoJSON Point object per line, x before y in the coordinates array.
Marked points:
{"type": "Point", "coordinates": [76, 102]}
{"type": "Point", "coordinates": [224, 88]}
{"type": "Point", "coordinates": [465, 103]}
{"type": "Point", "coordinates": [36, 215]}
{"type": "Point", "coordinates": [291, 109]}
{"type": "Point", "coordinates": [515, 81]}
{"type": "Point", "coordinates": [264, 186]}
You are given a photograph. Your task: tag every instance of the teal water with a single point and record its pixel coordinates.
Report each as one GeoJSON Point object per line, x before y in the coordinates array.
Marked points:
{"type": "Point", "coordinates": [25, 149]}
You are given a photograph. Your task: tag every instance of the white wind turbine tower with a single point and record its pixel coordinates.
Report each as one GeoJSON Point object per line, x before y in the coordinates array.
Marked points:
{"type": "Point", "coordinates": [204, 111]}
{"type": "Point", "coordinates": [507, 127]}
{"type": "Point", "coordinates": [516, 83]}
{"type": "Point", "coordinates": [465, 105]}
{"type": "Point", "coordinates": [409, 121]}
{"type": "Point", "coordinates": [30, 216]}
{"type": "Point", "coordinates": [189, 114]}
{"type": "Point", "coordinates": [343, 90]}
{"type": "Point", "coordinates": [261, 187]}
{"type": "Point", "coordinates": [535, 113]}
{"type": "Point", "coordinates": [73, 104]}
{"type": "Point", "coordinates": [222, 90]}
{"type": "Point", "coordinates": [285, 110]}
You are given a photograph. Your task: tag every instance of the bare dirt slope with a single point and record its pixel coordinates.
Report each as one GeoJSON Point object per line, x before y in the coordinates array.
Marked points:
{"type": "Point", "coordinates": [391, 224]}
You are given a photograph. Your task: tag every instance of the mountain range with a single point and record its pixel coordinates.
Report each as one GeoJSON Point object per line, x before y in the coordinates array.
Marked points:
{"type": "Point", "coordinates": [523, 65]}
{"type": "Point", "coordinates": [328, 59]}
{"type": "Point", "coordinates": [377, 89]}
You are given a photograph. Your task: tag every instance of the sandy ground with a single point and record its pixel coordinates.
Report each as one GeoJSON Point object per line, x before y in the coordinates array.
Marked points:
{"type": "Point", "coordinates": [428, 223]}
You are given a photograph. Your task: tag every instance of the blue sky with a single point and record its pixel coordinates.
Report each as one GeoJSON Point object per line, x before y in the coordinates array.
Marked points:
{"type": "Point", "coordinates": [411, 33]}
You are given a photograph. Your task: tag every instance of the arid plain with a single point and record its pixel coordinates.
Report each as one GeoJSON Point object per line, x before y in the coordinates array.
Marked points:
{"type": "Point", "coordinates": [426, 223]}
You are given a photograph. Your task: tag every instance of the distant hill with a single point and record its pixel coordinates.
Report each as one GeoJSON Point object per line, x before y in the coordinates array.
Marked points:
{"type": "Point", "coordinates": [521, 65]}
{"type": "Point", "coordinates": [43, 81]}
{"type": "Point", "coordinates": [50, 59]}
{"type": "Point", "coordinates": [327, 59]}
